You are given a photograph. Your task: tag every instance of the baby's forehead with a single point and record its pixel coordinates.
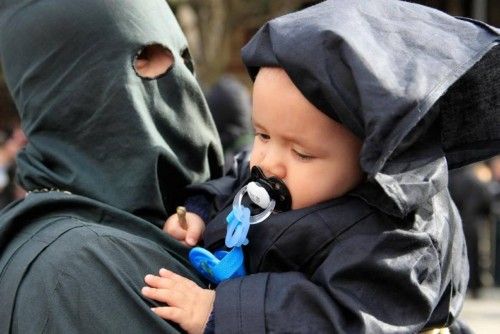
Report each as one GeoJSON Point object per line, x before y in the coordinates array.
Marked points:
{"type": "Point", "coordinates": [275, 83]}
{"type": "Point", "coordinates": [275, 76]}
{"type": "Point", "coordinates": [271, 72]}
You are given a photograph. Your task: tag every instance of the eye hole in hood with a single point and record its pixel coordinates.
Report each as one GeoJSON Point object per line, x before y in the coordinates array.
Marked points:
{"type": "Point", "coordinates": [153, 61]}
{"type": "Point", "coordinates": [188, 61]}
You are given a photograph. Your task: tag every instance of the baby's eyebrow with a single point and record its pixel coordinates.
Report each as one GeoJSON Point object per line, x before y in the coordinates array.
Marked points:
{"type": "Point", "coordinates": [312, 147]}
{"type": "Point", "coordinates": [257, 124]}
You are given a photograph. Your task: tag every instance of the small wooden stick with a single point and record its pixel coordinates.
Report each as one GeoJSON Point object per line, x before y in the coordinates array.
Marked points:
{"type": "Point", "coordinates": [181, 215]}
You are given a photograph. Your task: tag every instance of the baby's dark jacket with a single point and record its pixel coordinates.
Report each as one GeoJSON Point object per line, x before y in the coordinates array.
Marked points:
{"type": "Point", "coordinates": [341, 266]}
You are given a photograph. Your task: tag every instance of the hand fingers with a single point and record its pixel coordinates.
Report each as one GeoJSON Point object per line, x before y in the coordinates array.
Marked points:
{"type": "Point", "coordinates": [167, 296]}
{"type": "Point", "coordinates": [196, 227]}
{"type": "Point", "coordinates": [177, 280]}
{"type": "Point", "coordinates": [169, 280]}
{"type": "Point", "coordinates": [193, 234]}
{"type": "Point", "coordinates": [159, 282]}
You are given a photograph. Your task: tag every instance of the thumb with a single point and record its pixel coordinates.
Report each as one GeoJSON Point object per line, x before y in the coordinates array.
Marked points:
{"type": "Point", "coordinates": [194, 232]}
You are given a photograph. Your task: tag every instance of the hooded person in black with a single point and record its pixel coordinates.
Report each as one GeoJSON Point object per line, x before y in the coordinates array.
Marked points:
{"type": "Point", "coordinates": [112, 141]}
{"type": "Point", "coordinates": [420, 88]}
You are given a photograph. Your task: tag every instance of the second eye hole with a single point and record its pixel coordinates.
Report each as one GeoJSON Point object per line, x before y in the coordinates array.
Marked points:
{"type": "Point", "coordinates": [188, 61]}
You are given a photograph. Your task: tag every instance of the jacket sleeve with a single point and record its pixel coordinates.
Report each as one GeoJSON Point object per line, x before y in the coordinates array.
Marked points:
{"type": "Point", "coordinates": [370, 282]}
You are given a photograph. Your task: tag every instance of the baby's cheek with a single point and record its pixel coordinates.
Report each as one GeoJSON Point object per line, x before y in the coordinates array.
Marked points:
{"type": "Point", "coordinates": [298, 193]}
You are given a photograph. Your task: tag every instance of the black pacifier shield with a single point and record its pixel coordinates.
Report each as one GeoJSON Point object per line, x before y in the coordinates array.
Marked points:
{"type": "Point", "coordinates": [276, 189]}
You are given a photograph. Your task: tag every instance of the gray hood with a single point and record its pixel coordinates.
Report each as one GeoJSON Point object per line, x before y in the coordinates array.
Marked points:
{"type": "Point", "coordinates": [95, 128]}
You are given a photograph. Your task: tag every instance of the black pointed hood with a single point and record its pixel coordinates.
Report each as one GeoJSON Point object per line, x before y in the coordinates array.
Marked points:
{"type": "Point", "coordinates": [419, 87]}
{"type": "Point", "coordinates": [96, 128]}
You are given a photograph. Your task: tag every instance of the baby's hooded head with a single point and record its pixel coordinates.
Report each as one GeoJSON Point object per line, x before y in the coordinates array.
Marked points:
{"type": "Point", "coordinates": [315, 156]}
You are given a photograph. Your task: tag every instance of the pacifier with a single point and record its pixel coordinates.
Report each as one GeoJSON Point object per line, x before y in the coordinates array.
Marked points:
{"type": "Point", "coordinates": [276, 189]}
{"type": "Point", "coordinates": [270, 194]}
{"type": "Point", "coordinates": [267, 193]}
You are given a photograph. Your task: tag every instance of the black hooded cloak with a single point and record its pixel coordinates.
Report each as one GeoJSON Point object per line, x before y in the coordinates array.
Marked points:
{"type": "Point", "coordinates": [108, 155]}
{"type": "Point", "coordinates": [421, 88]}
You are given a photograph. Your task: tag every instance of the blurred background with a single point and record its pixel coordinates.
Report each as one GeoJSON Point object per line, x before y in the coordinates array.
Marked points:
{"type": "Point", "coordinates": [216, 30]}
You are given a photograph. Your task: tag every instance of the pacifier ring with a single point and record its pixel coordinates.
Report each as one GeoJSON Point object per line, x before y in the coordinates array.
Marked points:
{"type": "Point", "coordinates": [258, 217]}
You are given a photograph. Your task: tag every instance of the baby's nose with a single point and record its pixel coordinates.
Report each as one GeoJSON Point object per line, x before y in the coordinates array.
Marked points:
{"type": "Point", "coordinates": [272, 166]}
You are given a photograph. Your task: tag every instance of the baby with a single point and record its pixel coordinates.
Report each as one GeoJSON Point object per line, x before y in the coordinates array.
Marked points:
{"type": "Point", "coordinates": [356, 111]}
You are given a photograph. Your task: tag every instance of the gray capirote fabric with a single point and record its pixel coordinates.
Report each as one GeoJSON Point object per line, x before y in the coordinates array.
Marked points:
{"type": "Point", "coordinates": [124, 146]}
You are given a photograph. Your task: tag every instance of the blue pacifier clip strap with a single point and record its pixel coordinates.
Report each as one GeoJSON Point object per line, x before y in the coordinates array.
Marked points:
{"type": "Point", "coordinates": [238, 224]}
{"type": "Point", "coordinates": [224, 265]}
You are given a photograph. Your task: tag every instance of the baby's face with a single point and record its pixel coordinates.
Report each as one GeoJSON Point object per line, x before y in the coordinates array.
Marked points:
{"type": "Point", "coordinates": [316, 157]}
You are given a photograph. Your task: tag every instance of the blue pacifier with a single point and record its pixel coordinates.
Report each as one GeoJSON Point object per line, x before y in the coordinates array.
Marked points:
{"type": "Point", "coordinates": [223, 265]}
